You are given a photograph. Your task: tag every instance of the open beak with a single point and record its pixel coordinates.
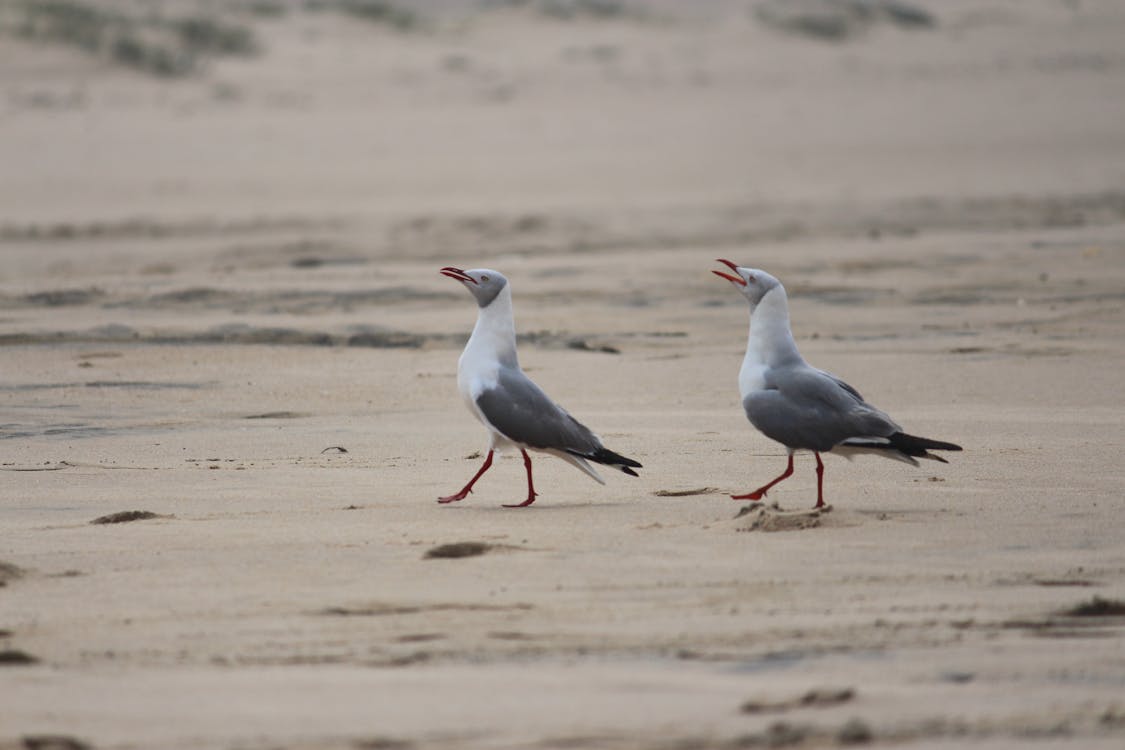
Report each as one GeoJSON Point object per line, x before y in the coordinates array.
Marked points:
{"type": "Point", "coordinates": [457, 273]}
{"type": "Point", "coordinates": [733, 279]}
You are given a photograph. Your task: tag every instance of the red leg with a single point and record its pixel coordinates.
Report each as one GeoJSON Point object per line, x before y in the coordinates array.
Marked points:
{"type": "Point", "coordinates": [759, 493]}
{"type": "Point", "coordinates": [530, 487]}
{"type": "Point", "coordinates": [468, 487]}
{"type": "Point", "coordinates": [819, 481]}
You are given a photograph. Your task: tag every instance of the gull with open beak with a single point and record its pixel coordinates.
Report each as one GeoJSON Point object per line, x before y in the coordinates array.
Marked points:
{"type": "Point", "coordinates": [799, 406]}
{"type": "Point", "coordinates": [515, 410]}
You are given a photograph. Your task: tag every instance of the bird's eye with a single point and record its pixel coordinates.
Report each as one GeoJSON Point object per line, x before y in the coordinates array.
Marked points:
{"type": "Point", "coordinates": [484, 278]}
{"type": "Point", "coordinates": [749, 278]}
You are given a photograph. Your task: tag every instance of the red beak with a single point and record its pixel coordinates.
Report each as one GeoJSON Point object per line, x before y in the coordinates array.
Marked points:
{"type": "Point", "coordinates": [733, 279]}
{"type": "Point", "coordinates": [457, 273]}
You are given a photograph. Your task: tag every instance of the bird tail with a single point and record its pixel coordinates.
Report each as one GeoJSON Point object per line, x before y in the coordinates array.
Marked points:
{"type": "Point", "coordinates": [908, 447]}
{"type": "Point", "coordinates": [609, 458]}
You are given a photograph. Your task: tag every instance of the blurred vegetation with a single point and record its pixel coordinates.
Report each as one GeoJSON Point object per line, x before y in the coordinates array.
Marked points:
{"type": "Point", "coordinates": [148, 42]}
{"type": "Point", "coordinates": [568, 10]}
{"type": "Point", "coordinates": [177, 39]}
{"type": "Point", "coordinates": [839, 20]}
{"type": "Point", "coordinates": [266, 8]}
{"type": "Point", "coordinates": [376, 11]}
{"type": "Point", "coordinates": [207, 36]}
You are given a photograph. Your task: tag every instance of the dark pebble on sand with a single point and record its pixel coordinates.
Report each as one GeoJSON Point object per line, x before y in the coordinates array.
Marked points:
{"type": "Point", "coordinates": [778, 734]}
{"type": "Point", "coordinates": [957, 678]}
{"type": "Point", "coordinates": [827, 696]}
{"type": "Point", "coordinates": [383, 743]}
{"type": "Point", "coordinates": [855, 732]}
{"type": "Point", "coordinates": [459, 549]}
{"type": "Point", "coordinates": [1098, 607]}
{"type": "Point", "coordinates": [9, 572]}
{"type": "Point", "coordinates": [126, 516]}
{"type": "Point", "coordinates": [585, 346]}
{"type": "Point", "coordinates": [15, 658]}
{"type": "Point", "coordinates": [53, 742]}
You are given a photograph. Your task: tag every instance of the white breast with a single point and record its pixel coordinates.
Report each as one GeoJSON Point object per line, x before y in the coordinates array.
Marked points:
{"type": "Point", "coordinates": [477, 371]}
{"type": "Point", "coordinates": [752, 377]}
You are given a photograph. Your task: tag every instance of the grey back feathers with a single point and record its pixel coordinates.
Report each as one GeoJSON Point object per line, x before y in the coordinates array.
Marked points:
{"type": "Point", "coordinates": [804, 408]}
{"type": "Point", "coordinates": [522, 412]}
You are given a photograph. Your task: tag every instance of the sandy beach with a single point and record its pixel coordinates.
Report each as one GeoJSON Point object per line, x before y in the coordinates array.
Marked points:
{"type": "Point", "coordinates": [220, 306]}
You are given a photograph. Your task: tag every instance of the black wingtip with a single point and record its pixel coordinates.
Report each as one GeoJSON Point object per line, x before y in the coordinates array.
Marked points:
{"type": "Point", "coordinates": [609, 458]}
{"type": "Point", "coordinates": [912, 445]}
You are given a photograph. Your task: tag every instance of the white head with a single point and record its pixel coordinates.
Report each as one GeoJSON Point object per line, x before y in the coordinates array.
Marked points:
{"type": "Point", "coordinates": [484, 283]}
{"type": "Point", "coordinates": [751, 283]}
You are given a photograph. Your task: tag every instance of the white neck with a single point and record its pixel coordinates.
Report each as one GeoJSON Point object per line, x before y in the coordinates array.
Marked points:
{"type": "Point", "coordinates": [494, 335]}
{"type": "Point", "coordinates": [770, 342]}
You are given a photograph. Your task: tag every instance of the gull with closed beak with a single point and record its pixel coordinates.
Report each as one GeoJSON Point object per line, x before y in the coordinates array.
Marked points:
{"type": "Point", "coordinates": [516, 412]}
{"type": "Point", "coordinates": [801, 407]}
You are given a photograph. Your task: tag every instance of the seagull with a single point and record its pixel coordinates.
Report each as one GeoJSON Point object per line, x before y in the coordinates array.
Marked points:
{"type": "Point", "coordinates": [515, 410]}
{"type": "Point", "coordinates": [801, 407]}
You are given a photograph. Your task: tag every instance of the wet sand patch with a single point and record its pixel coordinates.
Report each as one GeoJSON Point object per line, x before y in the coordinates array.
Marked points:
{"type": "Point", "coordinates": [280, 415]}
{"type": "Point", "coordinates": [381, 609]}
{"type": "Point", "coordinates": [9, 573]}
{"type": "Point", "coordinates": [814, 698]}
{"type": "Point", "coordinates": [1097, 617]}
{"type": "Point", "coordinates": [134, 384]}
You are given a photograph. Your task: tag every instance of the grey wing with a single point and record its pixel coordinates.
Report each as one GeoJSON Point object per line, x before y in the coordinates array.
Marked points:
{"type": "Point", "coordinates": [806, 408]}
{"type": "Point", "coordinates": [842, 384]}
{"type": "Point", "coordinates": [522, 412]}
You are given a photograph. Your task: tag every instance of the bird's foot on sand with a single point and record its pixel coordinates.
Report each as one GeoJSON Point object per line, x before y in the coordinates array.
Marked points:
{"type": "Point", "coordinates": [452, 498]}
{"type": "Point", "coordinates": [524, 504]}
